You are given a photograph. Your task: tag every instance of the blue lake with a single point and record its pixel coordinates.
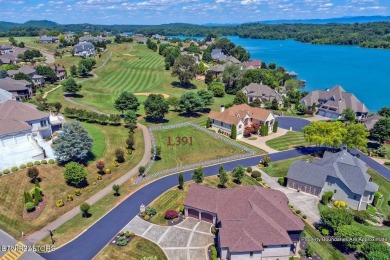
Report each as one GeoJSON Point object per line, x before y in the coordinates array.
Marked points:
{"type": "Point", "coordinates": [364, 72]}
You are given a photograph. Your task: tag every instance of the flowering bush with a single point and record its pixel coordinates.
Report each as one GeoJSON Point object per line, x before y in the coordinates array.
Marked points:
{"type": "Point", "coordinates": [108, 170]}
{"type": "Point", "coordinates": [171, 214]}
{"type": "Point", "coordinates": [60, 203]}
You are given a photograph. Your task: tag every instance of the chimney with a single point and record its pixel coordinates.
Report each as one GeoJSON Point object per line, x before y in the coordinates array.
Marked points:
{"type": "Point", "coordinates": [222, 108]}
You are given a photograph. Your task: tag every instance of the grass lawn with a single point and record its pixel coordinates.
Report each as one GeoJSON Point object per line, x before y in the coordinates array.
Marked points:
{"type": "Point", "coordinates": [288, 141]}
{"type": "Point", "coordinates": [174, 198]}
{"type": "Point", "coordinates": [98, 137]}
{"type": "Point", "coordinates": [137, 249]}
{"type": "Point", "coordinates": [384, 188]}
{"type": "Point", "coordinates": [280, 168]}
{"type": "Point", "coordinates": [204, 147]}
{"type": "Point", "coordinates": [323, 248]}
{"type": "Point", "coordinates": [30, 42]}
{"type": "Point", "coordinates": [55, 188]}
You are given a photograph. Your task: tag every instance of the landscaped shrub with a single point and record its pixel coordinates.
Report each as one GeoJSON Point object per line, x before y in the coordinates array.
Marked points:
{"type": "Point", "coordinates": [282, 181]}
{"type": "Point", "coordinates": [69, 197]}
{"type": "Point", "coordinates": [14, 169]}
{"type": "Point", "coordinates": [377, 195]}
{"type": "Point", "coordinates": [51, 161]}
{"type": "Point", "coordinates": [171, 214]}
{"type": "Point", "coordinates": [304, 217]}
{"type": "Point", "coordinates": [141, 170]}
{"type": "Point", "coordinates": [298, 211]}
{"type": "Point", "coordinates": [23, 166]}
{"type": "Point", "coordinates": [32, 191]}
{"type": "Point", "coordinates": [122, 233]}
{"type": "Point", "coordinates": [6, 171]}
{"type": "Point", "coordinates": [259, 179]}
{"type": "Point", "coordinates": [115, 164]}
{"type": "Point", "coordinates": [325, 232]}
{"type": "Point", "coordinates": [30, 206]}
{"type": "Point", "coordinates": [213, 230]}
{"type": "Point", "coordinates": [122, 241]}
{"type": "Point", "coordinates": [326, 197]}
{"type": "Point", "coordinates": [44, 162]}
{"type": "Point", "coordinates": [339, 204]}
{"type": "Point", "coordinates": [249, 169]}
{"type": "Point", "coordinates": [37, 163]}
{"type": "Point", "coordinates": [99, 177]}
{"type": "Point", "coordinates": [151, 211]}
{"type": "Point", "coordinates": [309, 251]}
{"type": "Point", "coordinates": [129, 234]}
{"type": "Point", "coordinates": [214, 253]}
{"type": "Point", "coordinates": [265, 161]}
{"type": "Point", "coordinates": [147, 217]}
{"type": "Point", "coordinates": [387, 163]}
{"type": "Point", "coordinates": [30, 164]}
{"type": "Point", "coordinates": [78, 192]}
{"type": "Point", "coordinates": [60, 203]}
{"type": "Point", "coordinates": [181, 209]}
{"type": "Point", "coordinates": [256, 174]}
{"type": "Point", "coordinates": [108, 171]}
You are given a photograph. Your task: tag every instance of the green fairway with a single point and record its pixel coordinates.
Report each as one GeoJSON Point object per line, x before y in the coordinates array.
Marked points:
{"type": "Point", "coordinates": [98, 138]}
{"type": "Point", "coordinates": [280, 168]}
{"type": "Point", "coordinates": [288, 141]}
{"type": "Point", "coordinates": [204, 147]}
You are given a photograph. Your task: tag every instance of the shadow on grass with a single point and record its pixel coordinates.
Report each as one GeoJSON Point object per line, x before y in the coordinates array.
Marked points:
{"type": "Point", "coordinates": [177, 84]}
{"type": "Point", "coordinates": [70, 95]}
{"type": "Point", "coordinates": [191, 114]}
{"type": "Point", "coordinates": [156, 120]}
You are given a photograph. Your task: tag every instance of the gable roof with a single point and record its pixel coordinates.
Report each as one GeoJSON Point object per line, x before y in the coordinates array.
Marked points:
{"type": "Point", "coordinates": [47, 38]}
{"type": "Point", "coordinates": [342, 165]}
{"type": "Point", "coordinates": [251, 217]}
{"type": "Point", "coordinates": [335, 99]}
{"type": "Point", "coordinates": [4, 47]}
{"type": "Point", "coordinates": [234, 114]}
{"type": "Point", "coordinates": [84, 46]}
{"type": "Point", "coordinates": [369, 122]}
{"type": "Point", "coordinates": [252, 64]}
{"type": "Point", "coordinates": [262, 91]}
{"type": "Point", "coordinates": [11, 85]}
{"type": "Point", "coordinates": [14, 115]}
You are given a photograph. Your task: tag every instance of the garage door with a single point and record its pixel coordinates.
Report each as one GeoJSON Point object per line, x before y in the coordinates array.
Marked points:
{"type": "Point", "coordinates": [207, 217]}
{"type": "Point", "coordinates": [8, 141]}
{"type": "Point", "coordinates": [193, 213]}
{"type": "Point", "coordinates": [21, 139]}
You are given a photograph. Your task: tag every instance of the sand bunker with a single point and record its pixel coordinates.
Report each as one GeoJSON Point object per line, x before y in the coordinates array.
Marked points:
{"type": "Point", "coordinates": [148, 93]}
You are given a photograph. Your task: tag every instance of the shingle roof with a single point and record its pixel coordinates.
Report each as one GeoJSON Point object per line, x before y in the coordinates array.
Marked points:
{"type": "Point", "coordinates": [335, 98]}
{"type": "Point", "coordinates": [252, 64]}
{"type": "Point", "coordinates": [369, 122]}
{"type": "Point", "coordinates": [83, 46]}
{"type": "Point", "coordinates": [5, 47]}
{"type": "Point", "coordinates": [251, 217]}
{"type": "Point", "coordinates": [235, 113]}
{"type": "Point", "coordinates": [14, 115]}
{"type": "Point", "coordinates": [262, 91]}
{"type": "Point", "coordinates": [342, 165]}
{"type": "Point", "coordinates": [10, 84]}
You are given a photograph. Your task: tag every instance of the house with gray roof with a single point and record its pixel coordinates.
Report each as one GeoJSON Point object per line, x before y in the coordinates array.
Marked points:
{"type": "Point", "coordinates": [253, 222]}
{"type": "Point", "coordinates": [5, 96]}
{"type": "Point", "coordinates": [47, 39]}
{"type": "Point", "coordinates": [218, 55]}
{"type": "Point", "coordinates": [31, 73]}
{"type": "Point", "coordinates": [5, 48]}
{"type": "Point", "coordinates": [332, 102]}
{"type": "Point", "coordinates": [92, 39]}
{"type": "Point", "coordinates": [18, 88]}
{"type": "Point", "coordinates": [341, 173]}
{"type": "Point", "coordinates": [84, 49]}
{"type": "Point", "coordinates": [262, 92]}
{"type": "Point", "coordinates": [369, 122]}
{"type": "Point", "coordinates": [9, 58]}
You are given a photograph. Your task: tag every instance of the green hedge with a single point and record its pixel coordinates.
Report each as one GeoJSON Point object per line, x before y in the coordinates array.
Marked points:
{"type": "Point", "coordinates": [37, 163]}
{"type": "Point", "coordinates": [256, 174]}
{"type": "Point", "coordinates": [6, 171]}
{"type": "Point", "coordinates": [282, 181]}
{"type": "Point", "coordinates": [44, 162]}
{"type": "Point", "coordinates": [14, 169]}
{"type": "Point", "coordinates": [30, 164]}
{"type": "Point", "coordinates": [51, 161]}
{"type": "Point", "coordinates": [23, 166]}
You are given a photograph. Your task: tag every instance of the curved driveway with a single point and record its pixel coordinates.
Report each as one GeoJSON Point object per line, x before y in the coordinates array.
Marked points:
{"type": "Point", "coordinates": [89, 243]}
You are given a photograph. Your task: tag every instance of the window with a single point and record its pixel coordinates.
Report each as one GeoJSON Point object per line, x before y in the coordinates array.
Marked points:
{"type": "Point", "coordinates": [221, 124]}
{"type": "Point", "coordinates": [43, 123]}
{"type": "Point", "coordinates": [213, 121]}
{"type": "Point", "coordinates": [240, 126]}
{"type": "Point", "coordinates": [284, 245]}
{"type": "Point", "coordinates": [335, 191]}
{"type": "Point", "coordinates": [251, 254]}
{"type": "Point", "coordinates": [354, 197]}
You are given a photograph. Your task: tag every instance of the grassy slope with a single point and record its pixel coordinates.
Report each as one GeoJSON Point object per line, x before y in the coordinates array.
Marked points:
{"type": "Point", "coordinates": [98, 139]}
{"type": "Point", "coordinates": [288, 141]}
{"type": "Point", "coordinates": [174, 198]}
{"type": "Point", "coordinates": [280, 168]}
{"type": "Point", "coordinates": [54, 186]}
{"type": "Point", "coordinates": [204, 147]}
{"type": "Point", "coordinates": [137, 249]}
{"type": "Point", "coordinates": [384, 188]}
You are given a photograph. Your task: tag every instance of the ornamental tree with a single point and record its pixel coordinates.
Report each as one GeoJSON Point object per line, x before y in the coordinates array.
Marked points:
{"type": "Point", "coordinates": [181, 181]}
{"type": "Point", "coordinates": [33, 173]}
{"type": "Point", "coordinates": [73, 144]}
{"type": "Point", "coordinates": [75, 174]}
{"type": "Point", "coordinates": [85, 209]}
{"type": "Point", "coordinates": [100, 166]}
{"type": "Point", "coordinates": [238, 173]}
{"type": "Point", "coordinates": [223, 176]}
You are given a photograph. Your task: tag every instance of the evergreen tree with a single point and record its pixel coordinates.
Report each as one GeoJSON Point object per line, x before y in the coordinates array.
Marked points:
{"type": "Point", "coordinates": [37, 196]}
{"type": "Point", "coordinates": [28, 197]}
{"type": "Point", "coordinates": [208, 123]}
{"type": "Point", "coordinates": [126, 101]}
{"type": "Point", "coordinates": [130, 119]}
{"type": "Point", "coordinates": [198, 175]}
{"type": "Point", "coordinates": [233, 133]}
{"type": "Point", "coordinates": [73, 70]}
{"type": "Point", "coordinates": [181, 180]}
{"type": "Point", "coordinates": [275, 126]}
{"type": "Point", "coordinates": [275, 105]}
{"type": "Point", "coordinates": [223, 177]}
{"type": "Point", "coordinates": [37, 184]}
{"type": "Point", "coordinates": [70, 86]}
{"type": "Point", "coordinates": [238, 173]}
{"type": "Point", "coordinates": [240, 98]}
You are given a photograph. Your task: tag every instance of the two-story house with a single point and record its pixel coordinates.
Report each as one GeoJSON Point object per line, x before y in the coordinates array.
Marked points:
{"type": "Point", "coordinates": [18, 88]}
{"type": "Point", "coordinates": [84, 49]}
{"type": "Point", "coordinates": [31, 73]}
{"type": "Point", "coordinates": [241, 116]}
{"type": "Point", "coordinates": [60, 72]}
{"type": "Point", "coordinates": [262, 92]}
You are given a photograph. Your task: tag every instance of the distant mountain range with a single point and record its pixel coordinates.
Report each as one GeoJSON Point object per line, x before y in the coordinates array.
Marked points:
{"type": "Point", "coordinates": [32, 23]}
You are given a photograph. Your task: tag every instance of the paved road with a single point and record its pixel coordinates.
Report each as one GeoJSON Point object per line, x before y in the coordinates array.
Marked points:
{"type": "Point", "coordinates": [88, 244]}
{"type": "Point", "coordinates": [296, 123]}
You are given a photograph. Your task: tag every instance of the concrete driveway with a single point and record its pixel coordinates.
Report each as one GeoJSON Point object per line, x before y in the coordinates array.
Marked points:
{"type": "Point", "coordinates": [304, 202]}
{"type": "Point", "coordinates": [294, 123]}
{"type": "Point", "coordinates": [188, 240]}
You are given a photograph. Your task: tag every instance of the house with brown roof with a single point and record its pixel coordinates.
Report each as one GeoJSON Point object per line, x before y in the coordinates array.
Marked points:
{"type": "Point", "coordinates": [262, 92]}
{"type": "Point", "coordinates": [31, 73]}
{"type": "Point", "coordinates": [60, 72]}
{"type": "Point", "coordinates": [253, 64]}
{"type": "Point", "coordinates": [332, 102]}
{"type": "Point", "coordinates": [19, 122]}
{"type": "Point", "coordinates": [241, 116]}
{"type": "Point", "coordinates": [18, 88]}
{"type": "Point", "coordinates": [253, 222]}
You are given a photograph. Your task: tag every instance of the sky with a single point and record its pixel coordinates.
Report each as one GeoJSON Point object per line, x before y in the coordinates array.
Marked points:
{"type": "Point", "coordinates": [184, 11]}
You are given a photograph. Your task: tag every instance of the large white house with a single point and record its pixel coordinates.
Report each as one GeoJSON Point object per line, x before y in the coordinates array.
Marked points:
{"type": "Point", "coordinates": [241, 116]}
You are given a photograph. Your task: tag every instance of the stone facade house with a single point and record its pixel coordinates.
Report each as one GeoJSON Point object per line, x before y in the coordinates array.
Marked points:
{"type": "Point", "coordinates": [241, 116]}
{"type": "Point", "coordinates": [253, 222]}
{"type": "Point", "coordinates": [341, 173]}
{"type": "Point", "coordinates": [262, 92]}
{"type": "Point", "coordinates": [332, 102]}
{"type": "Point", "coordinates": [84, 49]}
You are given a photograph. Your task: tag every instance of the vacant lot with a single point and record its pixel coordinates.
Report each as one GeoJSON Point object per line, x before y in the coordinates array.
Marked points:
{"type": "Point", "coordinates": [288, 141]}
{"type": "Point", "coordinates": [204, 147]}
{"type": "Point", "coordinates": [280, 168]}
{"type": "Point", "coordinates": [54, 186]}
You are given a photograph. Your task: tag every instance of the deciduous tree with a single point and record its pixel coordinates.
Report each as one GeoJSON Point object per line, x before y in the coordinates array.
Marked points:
{"type": "Point", "coordinates": [238, 173]}
{"type": "Point", "coordinates": [356, 136]}
{"type": "Point", "coordinates": [33, 173]}
{"type": "Point", "coordinates": [85, 207]}
{"type": "Point", "coordinates": [198, 175]}
{"type": "Point", "coordinates": [240, 98]}
{"type": "Point", "coordinates": [348, 115]}
{"type": "Point", "coordinates": [381, 130]}
{"type": "Point", "coordinates": [156, 106]}
{"type": "Point", "coordinates": [185, 69]}
{"type": "Point", "coordinates": [69, 85]}
{"type": "Point", "coordinates": [126, 101]}
{"type": "Point", "coordinates": [223, 176]}
{"type": "Point", "coordinates": [75, 174]}
{"type": "Point", "coordinates": [191, 102]}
